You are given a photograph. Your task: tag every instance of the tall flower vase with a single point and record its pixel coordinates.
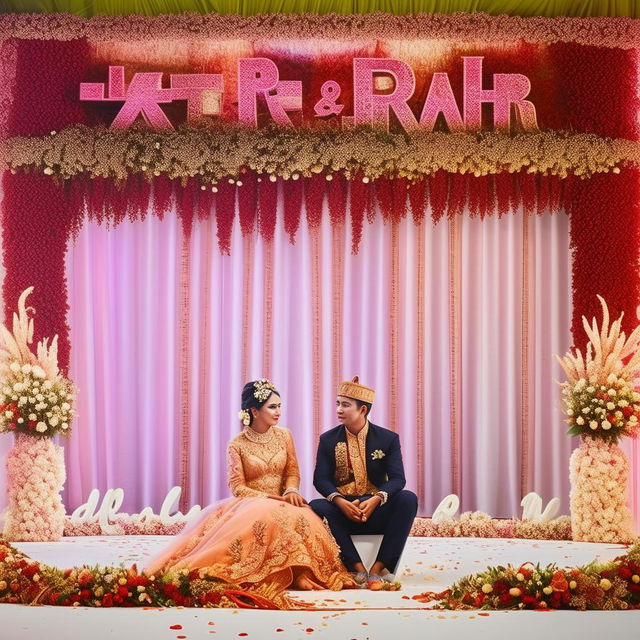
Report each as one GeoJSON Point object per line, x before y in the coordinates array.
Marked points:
{"type": "Point", "coordinates": [36, 475]}
{"type": "Point", "coordinates": [599, 480]}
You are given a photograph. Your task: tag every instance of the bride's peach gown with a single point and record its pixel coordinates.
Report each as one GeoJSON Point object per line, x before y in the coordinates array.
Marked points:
{"type": "Point", "coordinates": [251, 538]}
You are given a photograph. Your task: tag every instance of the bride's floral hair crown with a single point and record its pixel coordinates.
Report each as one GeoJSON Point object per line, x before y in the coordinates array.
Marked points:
{"type": "Point", "coordinates": [262, 389]}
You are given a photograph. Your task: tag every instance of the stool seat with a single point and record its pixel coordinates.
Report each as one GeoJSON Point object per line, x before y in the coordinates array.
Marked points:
{"type": "Point", "coordinates": [367, 547]}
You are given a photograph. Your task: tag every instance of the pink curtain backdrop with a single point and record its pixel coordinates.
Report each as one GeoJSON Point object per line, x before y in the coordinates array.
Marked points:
{"type": "Point", "coordinates": [455, 325]}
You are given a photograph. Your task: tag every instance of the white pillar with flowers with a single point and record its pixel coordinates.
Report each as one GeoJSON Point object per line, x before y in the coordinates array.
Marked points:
{"type": "Point", "coordinates": [602, 406]}
{"type": "Point", "coordinates": [36, 403]}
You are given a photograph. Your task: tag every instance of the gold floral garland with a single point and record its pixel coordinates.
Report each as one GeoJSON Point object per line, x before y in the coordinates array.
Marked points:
{"type": "Point", "coordinates": [592, 31]}
{"type": "Point", "coordinates": [228, 152]}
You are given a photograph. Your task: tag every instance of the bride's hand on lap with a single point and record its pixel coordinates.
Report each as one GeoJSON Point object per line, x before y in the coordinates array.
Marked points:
{"type": "Point", "coordinates": [295, 499]}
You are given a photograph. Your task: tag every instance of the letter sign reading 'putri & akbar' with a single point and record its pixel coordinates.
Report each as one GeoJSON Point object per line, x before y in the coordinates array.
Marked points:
{"type": "Point", "coordinates": [381, 87]}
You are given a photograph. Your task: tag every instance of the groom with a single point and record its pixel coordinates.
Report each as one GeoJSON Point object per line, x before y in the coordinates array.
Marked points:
{"type": "Point", "coordinates": [359, 471]}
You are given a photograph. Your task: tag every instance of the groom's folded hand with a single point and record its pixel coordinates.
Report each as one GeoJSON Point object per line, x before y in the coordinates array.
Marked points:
{"type": "Point", "coordinates": [368, 506]}
{"type": "Point", "coordinates": [350, 509]}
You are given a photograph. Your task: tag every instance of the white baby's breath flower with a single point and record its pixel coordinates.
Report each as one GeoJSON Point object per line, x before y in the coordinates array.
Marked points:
{"type": "Point", "coordinates": [606, 425]}
{"type": "Point", "coordinates": [41, 427]}
{"type": "Point", "coordinates": [580, 420]}
{"type": "Point", "coordinates": [593, 424]}
{"type": "Point", "coordinates": [38, 372]}
{"type": "Point", "coordinates": [20, 420]}
{"type": "Point", "coordinates": [47, 384]}
{"type": "Point", "coordinates": [15, 367]}
{"type": "Point", "coordinates": [65, 406]}
{"type": "Point", "coordinates": [32, 416]}
{"type": "Point", "coordinates": [26, 368]}
{"type": "Point", "coordinates": [611, 406]}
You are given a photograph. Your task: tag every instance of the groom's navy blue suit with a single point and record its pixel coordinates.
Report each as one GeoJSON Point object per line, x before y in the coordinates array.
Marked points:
{"type": "Point", "coordinates": [385, 471]}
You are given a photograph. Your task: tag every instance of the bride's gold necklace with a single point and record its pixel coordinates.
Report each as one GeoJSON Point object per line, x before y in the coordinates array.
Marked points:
{"type": "Point", "coordinates": [255, 436]}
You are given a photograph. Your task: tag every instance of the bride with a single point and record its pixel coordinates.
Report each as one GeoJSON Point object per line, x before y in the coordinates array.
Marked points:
{"type": "Point", "coordinates": [266, 532]}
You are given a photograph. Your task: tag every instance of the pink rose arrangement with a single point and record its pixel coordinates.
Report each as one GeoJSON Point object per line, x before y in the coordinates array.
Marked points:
{"type": "Point", "coordinates": [36, 475]}
{"type": "Point", "coordinates": [475, 524]}
{"type": "Point", "coordinates": [125, 525]}
{"type": "Point", "coordinates": [599, 474]}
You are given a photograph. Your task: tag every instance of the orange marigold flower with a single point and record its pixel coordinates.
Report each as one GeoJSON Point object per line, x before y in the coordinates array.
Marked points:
{"type": "Point", "coordinates": [559, 581]}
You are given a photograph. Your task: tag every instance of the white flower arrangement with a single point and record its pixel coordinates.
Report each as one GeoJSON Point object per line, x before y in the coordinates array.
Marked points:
{"type": "Point", "coordinates": [35, 398]}
{"type": "Point", "coordinates": [599, 398]}
{"type": "Point", "coordinates": [36, 475]}
{"type": "Point", "coordinates": [609, 411]}
{"type": "Point", "coordinates": [46, 416]}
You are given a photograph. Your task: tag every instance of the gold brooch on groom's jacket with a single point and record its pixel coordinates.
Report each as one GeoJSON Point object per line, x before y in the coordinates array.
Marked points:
{"type": "Point", "coordinates": [378, 454]}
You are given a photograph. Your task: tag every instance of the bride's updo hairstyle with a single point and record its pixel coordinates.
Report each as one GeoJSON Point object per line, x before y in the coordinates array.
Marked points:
{"type": "Point", "coordinates": [254, 396]}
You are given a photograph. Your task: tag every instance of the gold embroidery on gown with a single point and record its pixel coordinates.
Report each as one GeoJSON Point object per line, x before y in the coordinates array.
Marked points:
{"type": "Point", "coordinates": [251, 538]}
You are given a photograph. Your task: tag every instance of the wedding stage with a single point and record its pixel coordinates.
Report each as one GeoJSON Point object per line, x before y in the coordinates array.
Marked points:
{"type": "Point", "coordinates": [203, 212]}
{"type": "Point", "coordinates": [431, 564]}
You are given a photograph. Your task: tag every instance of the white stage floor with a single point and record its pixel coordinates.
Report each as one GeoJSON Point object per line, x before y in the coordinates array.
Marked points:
{"type": "Point", "coordinates": [431, 564]}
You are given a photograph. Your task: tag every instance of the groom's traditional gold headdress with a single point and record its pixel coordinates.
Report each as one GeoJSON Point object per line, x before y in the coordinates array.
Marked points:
{"type": "Point", "coordinates": [353, 389]}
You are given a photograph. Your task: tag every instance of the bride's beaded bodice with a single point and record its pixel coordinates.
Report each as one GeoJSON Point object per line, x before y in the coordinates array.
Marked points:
{"type": "Point", "coordinates": [262, 464]}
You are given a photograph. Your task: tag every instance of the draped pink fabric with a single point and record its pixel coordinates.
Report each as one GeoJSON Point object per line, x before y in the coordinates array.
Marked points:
{"type": "Point", "coordinates": [129, 335]}
{"type": "Point", "coordinates": [455, 326]}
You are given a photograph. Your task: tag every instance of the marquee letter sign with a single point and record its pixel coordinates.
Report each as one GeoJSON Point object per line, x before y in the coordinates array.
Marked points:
{"type": "Point", "coordinates": [381, 87]}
